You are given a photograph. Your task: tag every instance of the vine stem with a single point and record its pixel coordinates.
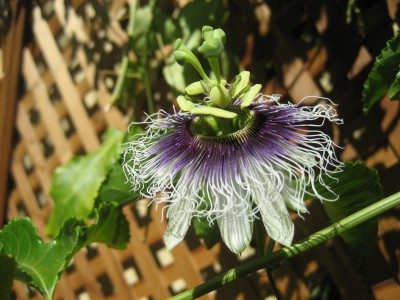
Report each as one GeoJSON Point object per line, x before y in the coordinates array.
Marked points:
{"type": "Point", "coordinates": [268, 270]}
{"type": "Point", "coordinates": [287, 252]}
{"type": "Point", "coordinates": [125, 61]}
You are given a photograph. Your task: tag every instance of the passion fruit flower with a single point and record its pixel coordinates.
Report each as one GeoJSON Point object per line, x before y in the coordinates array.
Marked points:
{"type": "Point", "coordinates": [232, 156]}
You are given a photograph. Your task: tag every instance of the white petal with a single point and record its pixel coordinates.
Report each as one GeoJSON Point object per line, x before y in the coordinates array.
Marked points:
{"type": "Point", "coordinates": [236, 226]}
{"type": "Point", "coordinates": [179, 217]}
{"type": "Point", "coordinates": [276, 219]}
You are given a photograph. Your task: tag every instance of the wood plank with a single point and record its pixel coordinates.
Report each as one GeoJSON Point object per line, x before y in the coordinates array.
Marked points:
{"type": "Point", "coordinates": [114, 269]}
{"type": "Point", "coordinates": [47, 112]}
{"type": "Point", "coordinates": [86, 278]}
{"type": "Point", "coordinates": [27, 195]}
{"type": "Point", "coordinates": [156, 284]}
{"type": "Point", "coordinates": [12, 46]}
{"type": "Point", "coordinates": [33, 145]}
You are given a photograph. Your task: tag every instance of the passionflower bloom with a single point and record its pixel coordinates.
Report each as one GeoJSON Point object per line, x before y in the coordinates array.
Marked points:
{"type": "Point", "coordinates": [232, 155]}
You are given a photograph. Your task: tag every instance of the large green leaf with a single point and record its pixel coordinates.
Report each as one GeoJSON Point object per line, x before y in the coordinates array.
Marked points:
{"type": "Point", "coordinates": [358, 186]}
{"type": "Point", "coordinates": [7, 271]}
{"type": "Point", "coordinates": [383, 75]}
{"type": "Point", "coordinates": [38, 264]}
{"type": "Point", "coordinates": [111, 228]}
{"type": "Point", "coordinates": [394, 91]}
{"type": "Point", "coordinates": [75, 185]}
{"type": "Point", "coordinates": [116, 188]}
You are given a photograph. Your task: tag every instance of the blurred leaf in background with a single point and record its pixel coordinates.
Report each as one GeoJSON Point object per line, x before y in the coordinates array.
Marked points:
{"type": "Point", "coordinates": [357, 186]}
{"type": "Point", "coordinates": [384, 76]}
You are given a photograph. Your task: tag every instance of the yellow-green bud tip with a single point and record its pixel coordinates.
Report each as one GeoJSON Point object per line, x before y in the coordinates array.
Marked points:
{"type": "Point", "coordinates": [195, 88]}
{"type": "Point", "coordinates": [184, 104]}
{"type": "Point", "coordinates": [249, 96]}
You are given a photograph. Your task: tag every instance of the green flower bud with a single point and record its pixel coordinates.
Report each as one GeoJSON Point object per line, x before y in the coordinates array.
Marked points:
{"type": "Point", "coordinates": [213, 44]}
{"type": "Point", "coordinates": [212, 48]}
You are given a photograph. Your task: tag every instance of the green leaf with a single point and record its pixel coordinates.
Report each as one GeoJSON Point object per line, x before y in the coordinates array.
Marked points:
{"type": "Point", "coordinates": [7, 272]}
{"type": "Point", "coordinates": [197, 14]}
{"type": "Point", "coordinates": [148, 29]}
{"type": "Point", "coordinates": [394, 91]}
{"type": "Point", "coordinates": [358, 187]}
{"type": "Point", "coordinates": [75, 185]}
{"type": "Point", "coordinates": [208, 232]}
{"type": "Point", "coordinates": [143, 20]}
{"type": "Point", "coordinates": [111, 228]}
{"type": "Point", "coordinates": [38, 264]}
{"type": "Point", "coordinates": [115, 188]}
{"type": "Point", "coordinates": [383, 74]}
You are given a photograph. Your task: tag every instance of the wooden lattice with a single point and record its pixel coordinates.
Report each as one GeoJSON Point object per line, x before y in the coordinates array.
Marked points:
{"type": "Point", "coordinates": [63, 112]}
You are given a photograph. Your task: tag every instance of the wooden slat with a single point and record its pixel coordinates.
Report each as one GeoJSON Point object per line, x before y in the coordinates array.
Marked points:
{"type": "Point", "coordinates": [114, 270]}
{"type": "Point", "coordinates": [12, 47]}
{"type": "Point", "coordinates": [47, 112]}
{"type": "Point", "coordinates": [64, 82]}
{"type": "Point", "coordinates": [155, 283]}
{"type": "Point", "coordinates": [33, 145]}
{"type": "Point", "coordinates": [27, 194]}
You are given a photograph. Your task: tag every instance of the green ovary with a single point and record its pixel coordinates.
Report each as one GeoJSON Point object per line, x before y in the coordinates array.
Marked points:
{"type": "Point", "coordinates": [208, 126]}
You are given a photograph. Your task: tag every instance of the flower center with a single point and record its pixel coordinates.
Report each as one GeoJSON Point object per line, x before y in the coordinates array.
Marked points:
{"type": "Point", "coordinates": [213, 128]}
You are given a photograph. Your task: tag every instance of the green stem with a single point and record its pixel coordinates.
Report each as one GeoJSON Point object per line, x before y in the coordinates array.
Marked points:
{"type": "Point", "coordinates": [214, 64]}
{"type": "Point", "coordinates": [149, 93]}
{"type": "Point", "coordinates": [259, 237]}
{"type": "Point", "coordinates": [287, 252]}
{"type": "Point", "coordinates": [268, 270]}
{"type": "Point", "coordinates": [125, 61]}
{"type": "Point", "coordinates": [120, 80]}
{"type": "Point", "coordinates": [146, 72]}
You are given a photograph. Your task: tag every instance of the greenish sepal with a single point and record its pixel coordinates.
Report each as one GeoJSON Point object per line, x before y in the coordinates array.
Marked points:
{"type": "Point", "coordinates": [249, 96]}
{"type": "Point", "coordinates": [219, 96]}
{"type": "Point", "coordinates": [213, 111]}
{"type": "Point", "coordinates": [195, 88]}
{"type": "Point", "coordinates": [185, 104]}
{"type": "Point", "coordinates": [241, 82]}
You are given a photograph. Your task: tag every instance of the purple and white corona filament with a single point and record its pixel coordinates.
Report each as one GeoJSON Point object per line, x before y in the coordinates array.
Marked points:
{"type": "Point", "coordinates": [233, 169]}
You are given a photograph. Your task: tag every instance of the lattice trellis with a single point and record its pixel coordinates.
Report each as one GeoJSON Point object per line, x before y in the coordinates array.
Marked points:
{"type": "Point", "coordinates": [63, 113]}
